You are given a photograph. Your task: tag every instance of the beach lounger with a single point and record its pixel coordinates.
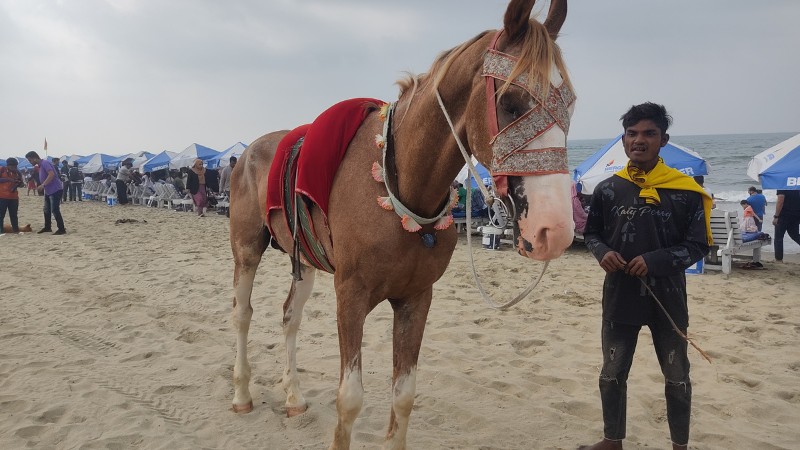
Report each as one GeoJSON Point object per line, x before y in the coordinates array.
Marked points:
{"type": "Point", "coordinates": [728, 242]}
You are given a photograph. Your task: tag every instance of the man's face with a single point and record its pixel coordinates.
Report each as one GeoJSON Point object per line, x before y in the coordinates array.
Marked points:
{"type": "Point", "coordinates": [33, 161]}
{"type": "Point", "coordinates": [643, 142]}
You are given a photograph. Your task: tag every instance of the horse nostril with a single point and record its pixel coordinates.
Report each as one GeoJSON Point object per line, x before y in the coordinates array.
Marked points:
{"type": "Point", "coordinates": [527, 245]}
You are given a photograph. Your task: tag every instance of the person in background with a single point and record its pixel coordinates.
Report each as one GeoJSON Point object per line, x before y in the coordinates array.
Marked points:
{"type": "Point", "coordinates": [124, 177]}
{"type": "Point", "coordinates": [647, 224]}
{"type": "Point", "coordinates": [64, 171]}
{"type": "Point", "coordinates": [225, 178]}
{"type": "Point", "coordinates": [759, 204]}
{"type": "Point", "coordinates": [197, 186]}
{"type": "Point", "coordinates": [51, 187]}
{"type": "Point", "coordinates": [786, 219]}
{"type": "Point", "coordinates": [32, 183]}
{"type": "Point", "coordinates": [10, 181]}
{"type": "Point", "coordinates": [75, 183]}
{"type": "Point", "coordinates": [579, 214]}
{"type": "Point", "coordinates": [700, 180]}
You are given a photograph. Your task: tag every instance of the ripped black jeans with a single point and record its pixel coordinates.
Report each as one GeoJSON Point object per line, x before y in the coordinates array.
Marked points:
{"type": "Point", "coordinates": [619, 344]}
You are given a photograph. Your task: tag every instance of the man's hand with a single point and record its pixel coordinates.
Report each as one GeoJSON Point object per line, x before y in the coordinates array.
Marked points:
{"type": "Point", "coordinates": [40, 188]}
{"type": "Point", "coordinates": [637, 267]}
{"type": "Point", "coordinates": [612, 262]}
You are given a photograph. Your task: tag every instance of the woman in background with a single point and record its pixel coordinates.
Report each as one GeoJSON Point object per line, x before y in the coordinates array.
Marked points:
{"type": "Point", "coordinates": [196, 183]}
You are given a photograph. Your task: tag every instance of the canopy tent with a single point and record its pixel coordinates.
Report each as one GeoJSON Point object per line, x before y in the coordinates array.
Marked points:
{"type": "Point", "coordinates": [158, 162]}
{"type": "Point", "coordinates": [223, 158]}
{"type": "Point", "coordinates": [96, 163]}
{"type": "Point", "coordinates": [115, 162]}
{"type": "Point", "coordinates": [84, 159]}
{"type": "Point", "coordinates": [189, 154]}
{"type": "Point", "coordinates": [140, 158]}
{"type": "Point", "coordinates": [483, 172]}
{"type": "Point", "coordinates": [611, 159]}
{"type": "Point", "coordinates": [778, 167]}
{"type": "Point", "coordinates": [22, 163]}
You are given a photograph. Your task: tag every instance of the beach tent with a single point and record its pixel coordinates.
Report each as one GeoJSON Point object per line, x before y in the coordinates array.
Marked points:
{"type": "Point", "coordinates": [22, 164]}
{"type": "Point", "coordinates": [223, 158]}
{"type": "Point", "coordinates": [115, 162]}
{"type": "Point", "coordinates": [483, 172]}
{"type": "Point", "coordinates": [158, 162]}
{"type": "Point", "coordinates": [611, 158]}
{"type": "Point", "coordinates": [189, 154]}
{"type": "Point", "coordinates": [139, 158]}
{"type": "Point", "coordinates": [778, 167]}
{"type": "Point", "coordinates": [95, 163]}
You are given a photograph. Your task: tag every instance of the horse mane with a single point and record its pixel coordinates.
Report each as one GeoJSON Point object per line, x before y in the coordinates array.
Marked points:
{"type": "Point", "coordinates": [437, 70]}
{"type": "Point", "coordinates": [539, 53]}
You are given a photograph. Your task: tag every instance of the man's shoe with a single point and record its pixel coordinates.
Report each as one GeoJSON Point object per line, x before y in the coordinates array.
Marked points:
{"type": "Point", "coordinates": [44, 230]}
{"type": "Point", "coordinates": [59, 232]}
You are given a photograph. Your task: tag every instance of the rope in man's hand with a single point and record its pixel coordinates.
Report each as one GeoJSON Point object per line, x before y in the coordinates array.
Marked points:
{"type": "Point", "coordinates": [674, 327]}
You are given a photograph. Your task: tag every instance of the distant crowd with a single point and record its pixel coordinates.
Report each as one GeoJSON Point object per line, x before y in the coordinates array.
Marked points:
{"type": "Point", "coordinates": [58, 181]}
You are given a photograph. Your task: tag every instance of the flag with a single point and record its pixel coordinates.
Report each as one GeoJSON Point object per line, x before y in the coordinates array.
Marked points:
{"type": "Point", "coordinates": [45, 144]}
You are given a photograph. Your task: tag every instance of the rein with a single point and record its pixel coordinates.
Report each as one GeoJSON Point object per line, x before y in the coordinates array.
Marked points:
{"type": "Point", "coordinates": [489, 200]}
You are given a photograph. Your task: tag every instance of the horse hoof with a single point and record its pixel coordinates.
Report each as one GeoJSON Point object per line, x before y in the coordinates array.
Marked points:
{"type": "Point", "coordinates": [292, 411]}
{"type": "Point", "coordinates": [243, 409]}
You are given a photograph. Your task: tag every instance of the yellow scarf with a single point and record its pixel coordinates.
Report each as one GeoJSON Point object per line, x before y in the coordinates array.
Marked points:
{"type": "Point", "coordinates": [666, 177]}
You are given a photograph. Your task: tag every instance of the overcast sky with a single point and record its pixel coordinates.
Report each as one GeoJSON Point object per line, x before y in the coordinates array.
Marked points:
{"type": "Point", "coordinates": [120, 76]}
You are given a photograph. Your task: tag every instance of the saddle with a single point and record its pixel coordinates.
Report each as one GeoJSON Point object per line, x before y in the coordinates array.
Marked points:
{"type": "Point", "coordinates": [301, 175]}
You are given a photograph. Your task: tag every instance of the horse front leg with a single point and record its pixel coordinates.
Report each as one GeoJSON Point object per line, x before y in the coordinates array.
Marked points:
{"type": "Point", "coordinates": [350, 317]}
{"type": "Point", "coordinates": [409, 325]}
{"type": "Point", "coordinates": [292, 315]}
{"type": "Point", "coordinates": [241, 315]}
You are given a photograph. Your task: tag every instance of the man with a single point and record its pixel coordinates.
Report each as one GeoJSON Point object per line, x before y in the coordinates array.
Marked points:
{"type": "Point", "coordinates": [65, 179]}
{"type": "Point", "coordinates": [123, 178]}
{"type": "Point", "coordinates": [646, 225]}
{"type": "Point", "coordinates": [51, 187]}
{"type": "Point", "coordinates": [10, 181]}
{"type": "Point", "coordinates": [225, 178]}
{"type": "Point", "coordinates": [786, 219]}
{"type": "Point", "coordinates": [759, 204]}
{"type": "Point", "coordinates": [75, 183]}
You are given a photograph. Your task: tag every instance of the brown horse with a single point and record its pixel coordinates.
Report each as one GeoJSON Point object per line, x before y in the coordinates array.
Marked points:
{"type": "Point", "coordinates": [509, 100]}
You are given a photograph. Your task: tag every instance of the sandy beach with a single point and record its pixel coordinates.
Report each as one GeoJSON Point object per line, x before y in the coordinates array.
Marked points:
{"type": "Point", "coordinates": [119, 336]}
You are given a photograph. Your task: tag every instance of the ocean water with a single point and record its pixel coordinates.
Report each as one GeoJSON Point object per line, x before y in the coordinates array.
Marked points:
{"type": "Point", "coordinates": [727, 156]}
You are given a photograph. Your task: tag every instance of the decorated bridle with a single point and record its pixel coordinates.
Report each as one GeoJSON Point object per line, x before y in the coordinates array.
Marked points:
{"type": "Point", "coordinates": [509, 154]}
{"type": "Point", "coordinates": [510, 157]}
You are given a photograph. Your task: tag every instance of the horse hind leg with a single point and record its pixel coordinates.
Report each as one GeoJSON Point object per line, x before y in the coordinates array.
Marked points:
{"type": "Point", "coordinates": [409, 324]}
{"type": "Point", "coordinates": [299, 294]}
{"type": "Point", "coordinates": [241, 316]}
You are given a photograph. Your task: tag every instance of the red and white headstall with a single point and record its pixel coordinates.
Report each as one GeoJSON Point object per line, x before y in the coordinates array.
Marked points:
{"type": "Point", "coordinates": [511, 153]}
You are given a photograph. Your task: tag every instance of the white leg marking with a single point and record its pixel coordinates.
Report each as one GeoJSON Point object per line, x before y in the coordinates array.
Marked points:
{"type": "Point", "coordinates": [295, 402]}
{"type": "Point", "coordinates": [403, 394]}
{"type": "Point", "coordinates": [348, 406]}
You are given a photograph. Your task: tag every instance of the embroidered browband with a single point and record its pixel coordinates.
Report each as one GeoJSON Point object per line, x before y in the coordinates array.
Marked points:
{"type": "Point", "coordinates": [552, 108]}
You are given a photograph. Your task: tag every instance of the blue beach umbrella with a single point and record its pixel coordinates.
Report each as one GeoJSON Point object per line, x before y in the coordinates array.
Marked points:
{"type": "Point", "coordinates": [22, 164]}
{"type": "Point", "coordinates": [224, 157]}
{"type": "Point", "coordinates": [611, 158]}
{"type": "Point", "coordinates": [158, 162]}
{"type": "Point", "coordinates": [778, 167]}
{"type": "Point", "coordinates": [483, 173]}
{"type": "Point", "coordinates": [189, 154]}
{"type": "Point", "coordinates": [95, 163]}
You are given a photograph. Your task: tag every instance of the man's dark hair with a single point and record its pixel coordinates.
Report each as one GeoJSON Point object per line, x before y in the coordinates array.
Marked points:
{"type": "Point", "coordinates": [12, 162]}
{"type": "Point", "coordinates": [647, 111]}
{"type": "Point", "coordinates": [32, 154]}
{"type": "Point", "coordinates": [233, 159]}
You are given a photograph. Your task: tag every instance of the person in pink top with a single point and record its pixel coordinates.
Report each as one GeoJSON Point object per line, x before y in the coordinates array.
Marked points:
{"type": "Point", "coordinates": [52, 188]}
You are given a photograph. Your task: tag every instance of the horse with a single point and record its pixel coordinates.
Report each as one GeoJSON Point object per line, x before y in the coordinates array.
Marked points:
{"type": "Point", "coordinates": [505, 97]}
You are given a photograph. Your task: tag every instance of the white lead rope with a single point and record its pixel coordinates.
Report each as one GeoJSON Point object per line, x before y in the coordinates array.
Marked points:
{"type": "Point", "coordinates": [489, 200]}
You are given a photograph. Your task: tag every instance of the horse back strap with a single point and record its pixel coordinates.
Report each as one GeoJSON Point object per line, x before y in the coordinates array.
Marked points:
{"type": "Point", "coordinates": [297, 212]}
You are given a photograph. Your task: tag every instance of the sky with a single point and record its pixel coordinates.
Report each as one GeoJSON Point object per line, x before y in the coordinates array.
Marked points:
{"type": "Point", "coordinates": [122, 76]}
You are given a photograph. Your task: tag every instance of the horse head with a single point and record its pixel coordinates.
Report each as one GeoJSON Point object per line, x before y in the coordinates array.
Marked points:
{"type": "Point", "coordinates": [516, 122]}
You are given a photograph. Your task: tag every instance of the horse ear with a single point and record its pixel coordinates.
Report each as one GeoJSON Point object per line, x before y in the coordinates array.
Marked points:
{"type": "Point", "coordinates": [516, 20]}
{"type": "Point", "coordinates": [556, 17]}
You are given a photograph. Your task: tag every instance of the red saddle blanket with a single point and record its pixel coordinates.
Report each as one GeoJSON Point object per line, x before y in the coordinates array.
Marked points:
{"type": "Point", "coordinates": [318, 150]}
